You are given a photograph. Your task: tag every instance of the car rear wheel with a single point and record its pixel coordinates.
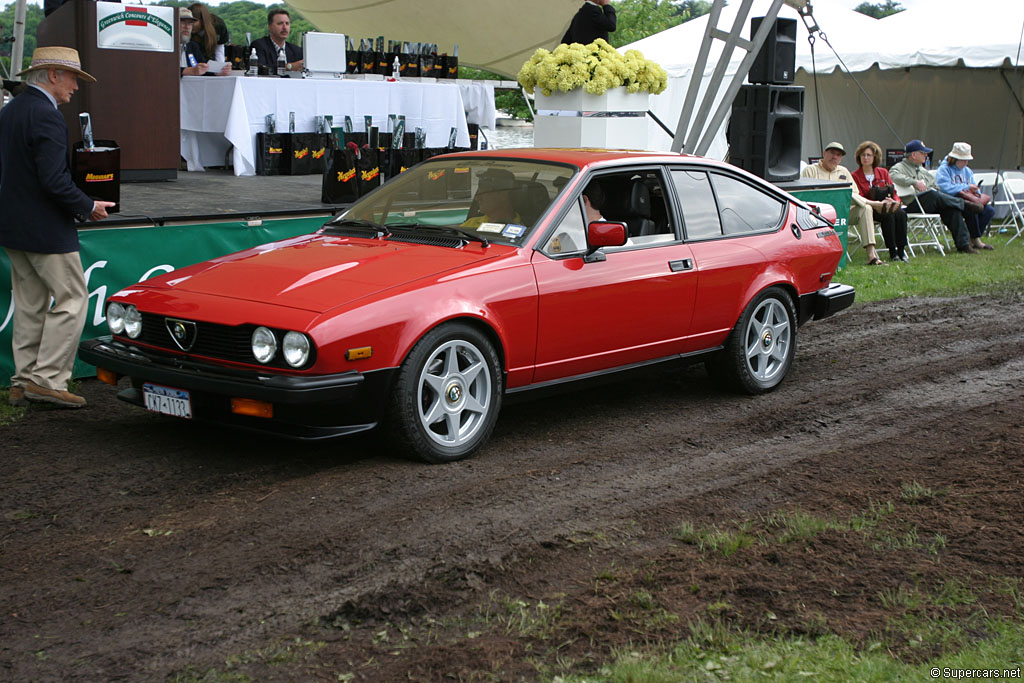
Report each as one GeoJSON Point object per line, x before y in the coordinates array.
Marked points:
{"type": "Point", "coordinates": [760, 349]}
{"type": "Point", "coordinates": [447, 395]}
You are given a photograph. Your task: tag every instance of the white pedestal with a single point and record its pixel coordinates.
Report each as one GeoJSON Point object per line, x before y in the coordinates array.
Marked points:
{"type": "Point", "coordinates": [615, 120]}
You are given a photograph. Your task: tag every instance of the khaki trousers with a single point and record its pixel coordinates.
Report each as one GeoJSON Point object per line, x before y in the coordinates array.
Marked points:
{"type": "Point", "coordinates": [864, 218]}
{"type": "Point", "coordinates": [45, 338]}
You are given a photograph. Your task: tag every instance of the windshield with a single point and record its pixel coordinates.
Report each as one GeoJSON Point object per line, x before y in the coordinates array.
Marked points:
{"type": "Point", "coordinates": [494, 200]}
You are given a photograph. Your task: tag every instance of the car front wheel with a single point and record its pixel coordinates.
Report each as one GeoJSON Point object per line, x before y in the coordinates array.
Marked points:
{"type": "Point", "coordinates": [760, 349]}
{"type": "Point", "coordinates": [447, 395]}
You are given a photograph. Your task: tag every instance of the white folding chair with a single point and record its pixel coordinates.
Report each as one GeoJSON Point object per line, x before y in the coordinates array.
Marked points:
{"type": "Point", "coordinates": [1013, 197]}
{"type": "Point", "coordinates": [923, 229]}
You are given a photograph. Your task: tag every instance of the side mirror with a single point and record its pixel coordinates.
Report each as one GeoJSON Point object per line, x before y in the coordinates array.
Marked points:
{"type": "Point", "coordinates": [603, 234]}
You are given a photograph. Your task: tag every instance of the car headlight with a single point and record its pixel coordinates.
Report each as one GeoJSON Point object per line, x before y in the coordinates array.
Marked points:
{"type": "Point", "coordinates": [264, 344]}
{"type": "Point", "coordinates": [295, 349]}
{"type": "Point", "coordinates": [115, 317]}
{"type": "Point", "coordinates": [132, 321]}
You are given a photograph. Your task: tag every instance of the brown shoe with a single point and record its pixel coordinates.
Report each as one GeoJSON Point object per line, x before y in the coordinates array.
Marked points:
{"type": "Point", "coordinates": [16, 397]}
{"type": "Point", "coordinates": [64, 399]}
{"type": "Point", "coordinates": [967, 250]}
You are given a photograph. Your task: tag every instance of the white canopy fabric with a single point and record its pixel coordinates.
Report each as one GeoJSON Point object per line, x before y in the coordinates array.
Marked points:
{"type": "Point", "coordinates": [942, 72]}
{"type": "Point", "coordinates": [496, 36]}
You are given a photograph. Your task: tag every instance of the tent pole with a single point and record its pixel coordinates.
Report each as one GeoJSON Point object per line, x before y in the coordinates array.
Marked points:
{"type": "Point", "coordinates": [18, 49]}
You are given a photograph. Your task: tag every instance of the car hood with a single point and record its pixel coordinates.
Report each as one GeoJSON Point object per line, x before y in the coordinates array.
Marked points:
{"type": "Point", "coordinates": [321, 272]}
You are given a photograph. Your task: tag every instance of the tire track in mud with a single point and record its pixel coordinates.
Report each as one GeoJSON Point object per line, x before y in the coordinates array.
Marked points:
{"type": "Point", "coordinates": [263, 549]}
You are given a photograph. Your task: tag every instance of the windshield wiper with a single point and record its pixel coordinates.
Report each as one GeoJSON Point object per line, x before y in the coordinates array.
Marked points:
{"type": "Point", "coordinates": [378, 230]}
{"type": "Point", "coordinates": [448, 229]}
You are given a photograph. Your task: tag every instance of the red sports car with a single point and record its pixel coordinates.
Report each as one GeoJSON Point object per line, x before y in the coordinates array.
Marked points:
{"type": "Point", "coordinates": [474, 276]}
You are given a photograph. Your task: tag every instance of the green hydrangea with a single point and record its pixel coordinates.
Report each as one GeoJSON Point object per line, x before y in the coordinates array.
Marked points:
{"type": "Point", "coordinates": [595, 67]}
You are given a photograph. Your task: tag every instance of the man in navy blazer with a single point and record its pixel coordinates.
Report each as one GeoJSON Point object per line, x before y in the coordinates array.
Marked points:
{"type": "Point", "coordinates": [37, 229]}
{"type": "Point", "coordinates": [594, 20]}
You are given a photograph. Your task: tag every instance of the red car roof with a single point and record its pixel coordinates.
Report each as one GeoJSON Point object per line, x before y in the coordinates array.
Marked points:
{"type": "Point", "coordinates": [578, 157]}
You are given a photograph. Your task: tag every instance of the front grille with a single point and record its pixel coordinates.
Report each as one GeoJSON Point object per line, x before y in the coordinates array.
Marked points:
{"type": "Point", "coordinates": [225, 342]}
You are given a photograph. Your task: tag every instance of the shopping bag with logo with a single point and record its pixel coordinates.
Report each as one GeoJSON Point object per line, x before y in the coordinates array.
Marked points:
{"type": "Point", "coordinates": [341, 179]}
{"type": "Point", "coordinates": [97, 171]}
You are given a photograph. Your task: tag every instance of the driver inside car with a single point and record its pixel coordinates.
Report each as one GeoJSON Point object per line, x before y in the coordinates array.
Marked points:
{"type": "Point", "coordinates": [494, 197]}
{"type": "Point", "coordinates": [571, 236]}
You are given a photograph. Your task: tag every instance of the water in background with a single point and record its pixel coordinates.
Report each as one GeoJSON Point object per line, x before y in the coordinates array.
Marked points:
{"type": "Point", "coordinates": [504, 137]}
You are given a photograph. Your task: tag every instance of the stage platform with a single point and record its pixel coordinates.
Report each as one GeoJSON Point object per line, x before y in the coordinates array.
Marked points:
{"type": "Point", "coordinates": [217, 194]}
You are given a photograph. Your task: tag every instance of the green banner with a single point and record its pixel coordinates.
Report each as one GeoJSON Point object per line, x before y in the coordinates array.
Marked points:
{"type": "Point", "coordinates": [839, 198]}
{"type": "Point", "coordinates": [114, 258]}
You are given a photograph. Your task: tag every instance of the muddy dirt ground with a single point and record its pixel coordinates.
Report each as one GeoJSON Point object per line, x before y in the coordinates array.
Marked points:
{"type": "Point", "coordinates": [135, 547]}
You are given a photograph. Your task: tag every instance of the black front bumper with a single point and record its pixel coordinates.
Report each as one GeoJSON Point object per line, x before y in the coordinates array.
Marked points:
{"type": "Point", "coordinates": [305, 407]}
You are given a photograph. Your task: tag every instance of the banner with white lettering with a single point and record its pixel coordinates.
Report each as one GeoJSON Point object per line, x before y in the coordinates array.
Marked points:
{"type": "Point", "coordinates": [114, 258]}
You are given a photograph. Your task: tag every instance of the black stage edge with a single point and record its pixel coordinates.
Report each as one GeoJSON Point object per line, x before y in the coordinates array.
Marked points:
{"type": "Point", "coordinates": [217, 194]}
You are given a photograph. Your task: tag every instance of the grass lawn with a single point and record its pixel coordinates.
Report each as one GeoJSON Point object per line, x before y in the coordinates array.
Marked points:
{"type": "Point", "coordinates": [929, 274]}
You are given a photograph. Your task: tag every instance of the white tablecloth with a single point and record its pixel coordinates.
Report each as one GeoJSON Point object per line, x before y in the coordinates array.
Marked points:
{"type": "Point", "coordinates": [222, 114]}
{"type": "Point", "coordinates": [478, 96]}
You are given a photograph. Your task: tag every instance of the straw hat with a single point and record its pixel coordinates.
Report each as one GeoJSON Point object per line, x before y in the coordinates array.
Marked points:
{"type": "Point", "coordinates": [961, 150]}
{"type": "Point", "coordinates": [63, 58]}
{"type": "Point", "coordinates": [185, 14]}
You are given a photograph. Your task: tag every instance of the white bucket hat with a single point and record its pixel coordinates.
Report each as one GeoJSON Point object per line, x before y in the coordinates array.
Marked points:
{"type": "Point", "coordinates": [961, 150]}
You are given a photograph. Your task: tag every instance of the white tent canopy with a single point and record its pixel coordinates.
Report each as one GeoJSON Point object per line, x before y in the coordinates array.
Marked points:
{"type": "Point", "coordinates": [935, 72]}
{"type": "Point", "coordinates": [497, 36]}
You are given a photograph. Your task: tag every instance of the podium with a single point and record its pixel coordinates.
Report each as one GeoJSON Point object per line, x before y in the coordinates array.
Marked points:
{"type": "Point", "coordinates": [135, 99]}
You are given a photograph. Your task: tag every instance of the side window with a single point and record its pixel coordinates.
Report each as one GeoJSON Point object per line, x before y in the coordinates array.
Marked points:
{"type": "Point", "coordinates": [700, 213]}
{"type": "Point", "coordinates": [746, 209]}
{"type": "Point", "coordinates": [570, 235]}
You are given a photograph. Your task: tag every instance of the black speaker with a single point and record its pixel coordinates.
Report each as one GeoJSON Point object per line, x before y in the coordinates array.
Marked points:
{"type": "Point", "coordinates": [765, 130]}
{"type": "Point", "coordinates": [776, 62]}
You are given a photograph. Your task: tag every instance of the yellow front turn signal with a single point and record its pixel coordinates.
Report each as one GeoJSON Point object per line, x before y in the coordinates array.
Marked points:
{"type": "Point", "coordinates": [252, 407]}
{"type": "Point", "coordinates": [107, 376]}
{"type": "Point", "coordinates": [359, 354]}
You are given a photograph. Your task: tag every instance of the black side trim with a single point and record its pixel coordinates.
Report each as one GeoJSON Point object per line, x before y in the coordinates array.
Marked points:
{"type": "Point", "coordinates": [609, 375]}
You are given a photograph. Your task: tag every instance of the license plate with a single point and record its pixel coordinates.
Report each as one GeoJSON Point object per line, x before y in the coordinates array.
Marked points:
{"type": "Point", "coordinates": [167, 400]}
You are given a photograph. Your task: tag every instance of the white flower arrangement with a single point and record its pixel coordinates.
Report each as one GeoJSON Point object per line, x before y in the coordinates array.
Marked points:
{"type": "Point", "coordinates": [595, 67]}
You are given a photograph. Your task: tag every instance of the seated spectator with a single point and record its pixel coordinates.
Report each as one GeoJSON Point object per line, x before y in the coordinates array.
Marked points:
{"type": "Point", "coordinates": [923, 195]}
{"type": "Point", "coordinates": [279, 26]}
{"type": "Point", "coordinates": [874, 183]}
{"type": "Point", "coordinates": [191, 59]}
{"type": "Point", "coordinates": [861, 208]}
{"type": "Point", "coordinates": [210, 32]}
{"type": "Point", "coordinates": [956, 178]}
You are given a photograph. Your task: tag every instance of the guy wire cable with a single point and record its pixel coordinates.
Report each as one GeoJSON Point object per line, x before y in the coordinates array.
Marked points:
{"type": "Point", "coordinates": [812, 26]}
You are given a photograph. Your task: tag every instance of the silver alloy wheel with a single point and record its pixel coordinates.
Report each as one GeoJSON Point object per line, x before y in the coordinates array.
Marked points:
{"type": "Point", "coordinates": [767, 340]}
{"type": "Point", "coordinates": [454, 391]}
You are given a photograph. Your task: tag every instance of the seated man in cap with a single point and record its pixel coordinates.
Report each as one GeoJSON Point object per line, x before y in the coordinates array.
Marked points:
{"type": "Point", "coordinates": [493, 195]}
{"type": "Point", "coordinates": [923, 196]}
{"type": "Point", "coordinates": [861, 207]}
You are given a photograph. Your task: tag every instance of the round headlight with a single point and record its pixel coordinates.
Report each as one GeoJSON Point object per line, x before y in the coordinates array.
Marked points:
{"type": "Point", "coordinates": [264, 344]}
{"type": "Point", "coordinates": [132, 322]}
{"type": "Point", "coordinates": [115, 317]}
{"type": "Point", "coordinates": [295, 349]}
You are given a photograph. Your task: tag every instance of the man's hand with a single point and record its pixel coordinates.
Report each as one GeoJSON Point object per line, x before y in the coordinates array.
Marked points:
{"type": "Point", "coordinates": [99, 210]}
{"type": "Point", "coordinates": [920, 186]}
{"type": "Point", "coordinates": [296, 66]}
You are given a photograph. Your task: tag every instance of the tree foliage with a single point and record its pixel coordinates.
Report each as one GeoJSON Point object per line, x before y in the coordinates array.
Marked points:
{"type": "Point", "coordinates": [879, 10]}
{"type": "Point", "coordinates": [33, 15]}
{"type": "Point", "coordinates": [250, 17]}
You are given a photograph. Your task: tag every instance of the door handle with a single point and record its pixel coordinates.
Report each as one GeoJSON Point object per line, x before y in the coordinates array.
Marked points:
{"type": "Point", "coordinates": [680, 265]}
